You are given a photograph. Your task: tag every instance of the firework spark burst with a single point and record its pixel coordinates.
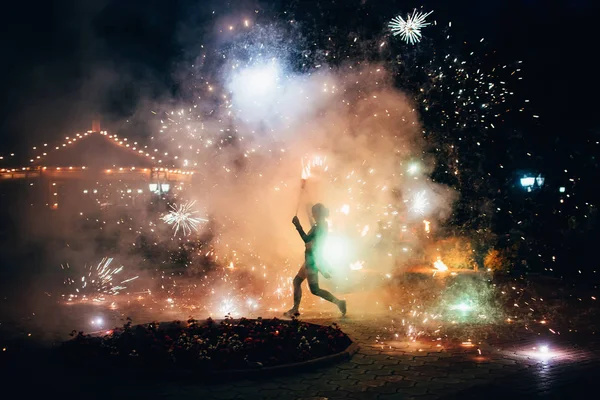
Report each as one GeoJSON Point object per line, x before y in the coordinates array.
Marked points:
{"type": "Point", "coordinates": [98, 280]}
{"type": "Point", "coordinates": [182, 217]}
{"type": "Point", "coordinates": [409, 30]}
{"type": "Point", "coordinates": [420, 203]}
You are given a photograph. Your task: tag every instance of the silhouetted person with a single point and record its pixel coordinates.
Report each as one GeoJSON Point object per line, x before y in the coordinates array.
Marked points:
{"type": "Point", "coordinates": [313, 260]}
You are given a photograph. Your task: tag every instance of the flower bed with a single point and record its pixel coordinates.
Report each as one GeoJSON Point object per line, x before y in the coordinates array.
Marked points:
{"type": "Point", "coordinates": [207, 346]}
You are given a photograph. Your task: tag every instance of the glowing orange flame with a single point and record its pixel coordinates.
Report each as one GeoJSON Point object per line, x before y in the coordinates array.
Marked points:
{"type": "Point", "coordinates": [316, 161]}
{"type": "Point", "coordinates": [357, 265]}
{"type": "Point", "coordinates": [439, 265]}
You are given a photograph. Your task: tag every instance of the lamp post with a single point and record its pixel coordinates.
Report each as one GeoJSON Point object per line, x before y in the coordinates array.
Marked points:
{"type": "Point", "coordinates": [159, 188]}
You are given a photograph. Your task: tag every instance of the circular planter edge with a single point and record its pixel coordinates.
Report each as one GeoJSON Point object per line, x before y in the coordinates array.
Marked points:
{"type": "Point", "coordinates": [188, 374]}
{"type": "Point", "coordinates": [254, 373]}
{"type": "Point", "coordinates": [288, 368]}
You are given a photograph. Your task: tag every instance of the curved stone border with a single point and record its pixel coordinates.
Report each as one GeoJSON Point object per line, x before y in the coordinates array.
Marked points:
{"type": "Point", "coordinates": [289, 368]}
{"type": "Point", "coordinates": [254, 373]}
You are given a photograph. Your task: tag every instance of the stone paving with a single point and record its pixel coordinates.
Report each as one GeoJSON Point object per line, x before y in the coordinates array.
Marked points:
{"type": "Point", "coordinates": [396, 369]}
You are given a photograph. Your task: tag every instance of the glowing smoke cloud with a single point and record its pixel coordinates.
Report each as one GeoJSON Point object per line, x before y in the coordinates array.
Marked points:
{"type": "Point", "coordinates": [266, 94]}
{"type": "Point", "coordinates": [351, 116]}
{"type": "Point", "coordinates": [357, 128]}
{"type": "Point", "coordinates": [256, 88]}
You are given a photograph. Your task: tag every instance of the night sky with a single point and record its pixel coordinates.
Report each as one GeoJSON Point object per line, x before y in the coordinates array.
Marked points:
{"type": "Point", "coordinates": [65, 60]}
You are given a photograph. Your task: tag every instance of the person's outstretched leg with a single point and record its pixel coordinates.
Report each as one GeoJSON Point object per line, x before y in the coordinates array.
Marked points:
{"type": "Point", "coordinates": [313, 284]}
{"type": "Point", "coordinates": [297, 283]}
{"type": "Point", "coordinates": [297, 291]}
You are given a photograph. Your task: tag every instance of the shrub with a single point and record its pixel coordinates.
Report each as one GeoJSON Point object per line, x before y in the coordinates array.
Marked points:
{"type": "Point", "coordinates": [208, 345]}
{"type": "Point", "coordinates": [496, 261]}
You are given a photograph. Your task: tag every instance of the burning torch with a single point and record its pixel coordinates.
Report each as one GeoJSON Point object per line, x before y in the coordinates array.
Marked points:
{"type": "Point", "coordinates": [316, 161]}
{"type": "Point", "coordinates": [305, 175]}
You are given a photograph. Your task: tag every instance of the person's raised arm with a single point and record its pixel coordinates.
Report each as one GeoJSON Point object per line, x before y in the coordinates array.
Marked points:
{"type": "Point", "coordinates": [305, 237]}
